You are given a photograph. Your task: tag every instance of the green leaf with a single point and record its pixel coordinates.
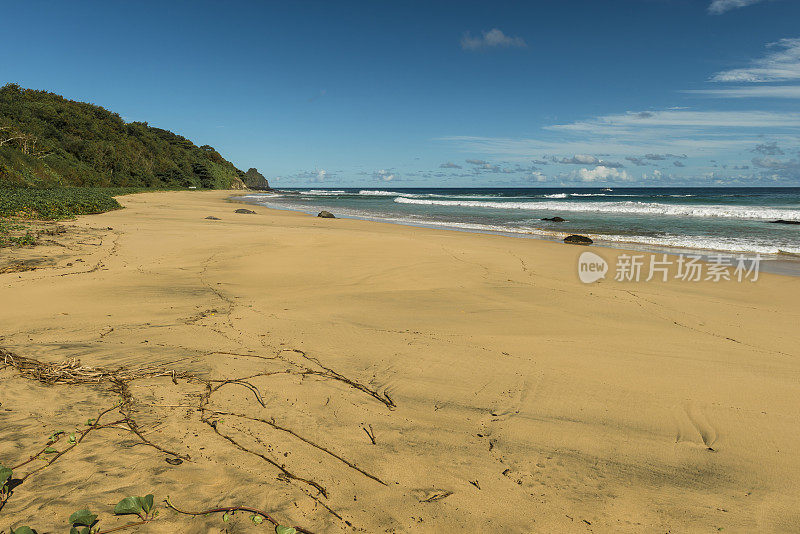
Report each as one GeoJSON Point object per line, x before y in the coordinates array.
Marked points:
{"type": "Point", "coordinates": [50, 450]}
{"type": "Point", "coordinates": [280, 529]}
{"type": "Point", "coordinates": [147, 502]}
{"type": "Point", "coordinates": [74, 530]}
{"type": "Point", "coordinates": [5, 474]}
{"type": "Point", "coordinates": [83, 518]}
{"type": "Point", "coordinates": [72, 438]}
{"type": "Point", "coordinates": [23, 530]}
{"type": "Point", "coordinates": [128, 505]}
{"type": "Point", "coordinates": [257, 519]}
{"type": "Point", "coordinates": [226, 516]}
{"type": "Point", "coordinates": [90, 422]}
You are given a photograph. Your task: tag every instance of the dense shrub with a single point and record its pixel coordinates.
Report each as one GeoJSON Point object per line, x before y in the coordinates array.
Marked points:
{"type": "Point", "coordinates": [49, 141]}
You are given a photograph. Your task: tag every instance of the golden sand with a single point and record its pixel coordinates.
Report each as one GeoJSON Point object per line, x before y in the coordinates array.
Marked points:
{"type": "Point", "coordinates": [502, 394]}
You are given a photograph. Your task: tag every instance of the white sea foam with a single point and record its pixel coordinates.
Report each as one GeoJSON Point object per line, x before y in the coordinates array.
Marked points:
{"type": "Point", "coordinates": [557, 195]}
{"type": "Point", "coordinates": [703, 243]}
{"type": "Point", "coordinates": [323, 192]}
{"type": "Point", "coordinates": [707, 243]}
{"type": "Point", "coordinates": [598, 195]}
{"type": "Point", "coordinates": [377, 193]}
{"type": "Point", "coordinates": [626, 207]}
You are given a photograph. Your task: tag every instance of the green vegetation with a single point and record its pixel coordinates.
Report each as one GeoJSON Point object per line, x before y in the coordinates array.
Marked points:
{"type": "Point", "coordinates": [60, 203]}
{"type": "Point", "coordinates": [85, 522]}
{"type": "Point", "coordinates": [48, 141]}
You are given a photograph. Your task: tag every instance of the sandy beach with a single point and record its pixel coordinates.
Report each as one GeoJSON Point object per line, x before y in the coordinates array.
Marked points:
{"type": "Point", "coordinates": [355, 376]}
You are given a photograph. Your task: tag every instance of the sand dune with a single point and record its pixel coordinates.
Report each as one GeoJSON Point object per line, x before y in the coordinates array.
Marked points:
{"type": "Point", "coordinates": [503, 395]}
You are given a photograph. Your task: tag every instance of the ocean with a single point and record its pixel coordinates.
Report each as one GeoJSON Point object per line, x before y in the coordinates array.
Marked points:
{"type": "Point", "coordinates": [675, 219]}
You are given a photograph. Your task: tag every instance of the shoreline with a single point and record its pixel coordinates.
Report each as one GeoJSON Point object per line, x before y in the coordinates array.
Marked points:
{"type": "Point", "coordinates": [787, 264]}
{"type": "Point", "coordinates": [427, 380]}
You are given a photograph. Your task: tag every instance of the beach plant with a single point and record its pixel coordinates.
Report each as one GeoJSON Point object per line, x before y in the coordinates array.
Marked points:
{"type": "Point", "coordinates": [83, 522]}
{"type": "Point", "coordinates": [140, 506]}
{"type": "Point", "coordinates": [23, 530]}
{"type": "Point", "coordinates": [5, 483]}
{"type": "Point", "coordinates": [257, 517]}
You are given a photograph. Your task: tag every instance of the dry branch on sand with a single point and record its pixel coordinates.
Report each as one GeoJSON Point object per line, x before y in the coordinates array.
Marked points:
{"type": "Point", "coordinates": [71, 371]}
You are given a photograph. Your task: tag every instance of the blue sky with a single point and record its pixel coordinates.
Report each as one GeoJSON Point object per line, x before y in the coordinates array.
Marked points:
{"type": "Point", "coordinates": [414, 94]}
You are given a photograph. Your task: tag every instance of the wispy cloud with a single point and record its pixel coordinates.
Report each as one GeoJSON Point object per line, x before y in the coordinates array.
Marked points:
{"type": "Point", "coordinates": [648, 159]}
{"type": "Point", "coordinates": [667, 134]}
{"type": "Point", "coordinates": [682, 118]}
{"type": "Point", "coordinates": [759, 91]}
{"type": "Point", "coordinates": [781, 64]}
{"type": "Point", "coordinates": [717, 7]}
{"type": "Point", "coordinates": [579, 159]}
{"type": "Point", "coordinates": [769, 149]}
{"type": "Point", "coordinates": [449, 165]}
{"type": "Point", "coordinates": [317, 175]}
{"type": "Point", "coordinates": [585, 159]}
{"type": "Point", "coordinates": [494, 38]}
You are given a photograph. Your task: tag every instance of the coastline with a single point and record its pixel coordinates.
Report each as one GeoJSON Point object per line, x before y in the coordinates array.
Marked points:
{"type": "Point", "coordinates": [523, 400]}
{"type": "Point", "coordinates": [782, 263]}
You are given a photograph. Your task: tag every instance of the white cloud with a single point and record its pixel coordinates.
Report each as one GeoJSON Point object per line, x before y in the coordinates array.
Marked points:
{"type": "Point", "coordinates": [675, 133]}
{"type": "Point", "coordinates": [602, 174]}
{"type": "Point", "coordinates": [759, 91]}
{"type": "Point", "coordinates": [580, 159]}
{"type": "Point", "coordinates": [718, 7]}
{"type": "Point", "coordinates": [385, 176]}
{"type": "Point", "coordinates": [494, 38]}
{"type": "Point", "coordinates": [782, 64]}
{"type": "Point", "coordinates": [538, 176]}
{"type": "Point", "coordinates": [624, 122]}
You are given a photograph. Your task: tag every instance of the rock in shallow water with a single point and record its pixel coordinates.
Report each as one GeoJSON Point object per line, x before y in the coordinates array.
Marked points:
{"type": "Point", "coordinates": [578, 240]}
{"type": "Point", "coordinates": [553, 219]}
{"type": "Point", "coordinates": [243, 210]}
{"type": "Point", "coordinates": [784, 221]}
{"type": "Point", "coordinates": [326, 215]}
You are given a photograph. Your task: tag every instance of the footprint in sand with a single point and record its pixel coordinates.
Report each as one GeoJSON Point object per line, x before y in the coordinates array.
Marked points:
{"type": "Point", "coordinates": [512, 401]}
{"type": "Point", "coordinates": [693, 427]}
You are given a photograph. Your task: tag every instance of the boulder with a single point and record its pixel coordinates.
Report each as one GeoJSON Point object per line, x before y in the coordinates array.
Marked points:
{"type": "Point", "coordinates": [784, 221]}
{"type": "Point", "coordinates": [578, 240]}
{"type": "Point", "coordinates": [212, 218]}
{"type": "Point", "coordinates": [553, 219]}
{"type": "Point", "coordinates": [255, 180]}
{"type": "Point", "coordinates": [243, 210]}
{"type": "Point", "coordinates": [326, 215]}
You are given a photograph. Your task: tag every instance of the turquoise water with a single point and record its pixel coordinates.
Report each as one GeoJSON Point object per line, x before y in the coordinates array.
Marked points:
{"type": "Point", "coordinates": [733, 220]}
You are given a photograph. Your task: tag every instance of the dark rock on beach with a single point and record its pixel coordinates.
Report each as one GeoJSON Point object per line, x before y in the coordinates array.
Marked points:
{"type": "Point", "coordinates": [578, 240]}
{"type": "Point", "coordinates": [255, 180]}
{"type": "Point", "coordinates": [243, 210]}
{"type": "Point", "coordinates": [212, 218]}
{"type": "Point", "coordinates": [553, 219]}
{"type": "Point", "coordinates": [326, 215]}
{"type": "Point", "coordinates": [784, 221]}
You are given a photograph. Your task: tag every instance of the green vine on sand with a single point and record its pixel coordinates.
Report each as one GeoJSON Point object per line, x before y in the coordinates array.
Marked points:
{"type": "Point", "coordinates": [85, 522]}
{"type": "Point", "coordinates": [229, 510]}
